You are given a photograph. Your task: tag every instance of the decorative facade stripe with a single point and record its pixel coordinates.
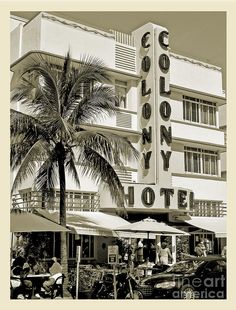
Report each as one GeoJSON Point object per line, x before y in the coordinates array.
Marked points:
{"type": "Point", "coordinates": [75, 25]}
{"type": "Point", "coordinates": [193, 61]}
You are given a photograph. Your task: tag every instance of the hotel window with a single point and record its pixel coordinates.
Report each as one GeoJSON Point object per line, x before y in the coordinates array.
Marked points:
{"type": "Point", "coordinates": [121, 92]}
{"type": "Point", "coordinates": [87, 246]}
{"type": "Point", "coordinates": [199, 111]}
{"type": "Point", "coordinates": [197, 160]}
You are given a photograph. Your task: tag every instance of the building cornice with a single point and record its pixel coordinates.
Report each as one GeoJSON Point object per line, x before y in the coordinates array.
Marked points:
{"type": "Point", "coordinates": [221, 148]}
{"type": "Point", "coordinates": [195, 62]}
{"type": "Point", "coordinates": [20, 19]}
{"type": "Point", "coordinates": [198, 176]}
{"type": "Point", "coordinates": [220, 100]}
{"type": "Point", "coordinates": [118, 72]}
{"type": "Point", "coordinates": [66, 22]}
{"type": "Point", "coordinates": [184, 122]}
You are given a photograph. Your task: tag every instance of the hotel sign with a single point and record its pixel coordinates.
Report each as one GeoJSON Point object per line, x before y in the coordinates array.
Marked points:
{"type": "Point", "coordinates": [154, 112]}
{"type": "Point", "coordinates": [154, 196]}
{"type": "Point", "coordinates": [158, 104]}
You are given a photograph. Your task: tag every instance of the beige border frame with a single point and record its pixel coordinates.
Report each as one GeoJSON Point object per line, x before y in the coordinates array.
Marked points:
{"type": "Point", "coordinates": [121, 5]}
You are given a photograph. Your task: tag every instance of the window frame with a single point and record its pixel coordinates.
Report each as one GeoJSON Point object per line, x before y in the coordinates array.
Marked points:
{"type": "Point", "coordinates": [91, 241]}
{"type": "Point", "coordinates": [121, 85]}
{"type": "Point", "coordinates": [206, 163]}
{"type": "Point", "coordinates": [199, 111]}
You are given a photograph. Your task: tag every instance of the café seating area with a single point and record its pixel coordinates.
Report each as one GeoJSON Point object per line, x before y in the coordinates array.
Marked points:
{"type": "Point", "coordinates": [19, 291]}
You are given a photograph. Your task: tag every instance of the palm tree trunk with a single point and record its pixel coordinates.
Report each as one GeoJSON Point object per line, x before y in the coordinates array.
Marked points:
{"type": "Point", "coordinates": [63, 248]}
{"type": "Point", "coordinates": [43, 198]}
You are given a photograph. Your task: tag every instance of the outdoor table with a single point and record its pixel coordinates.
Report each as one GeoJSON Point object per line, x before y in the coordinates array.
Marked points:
{"type": "Point", "coordinates": [37, 279]}
{"type": "Point", "coordinates": [38, 276]}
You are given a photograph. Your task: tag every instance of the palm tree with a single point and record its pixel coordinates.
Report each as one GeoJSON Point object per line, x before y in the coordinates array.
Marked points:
{"type": "Point", "coordinates": [49, 139]}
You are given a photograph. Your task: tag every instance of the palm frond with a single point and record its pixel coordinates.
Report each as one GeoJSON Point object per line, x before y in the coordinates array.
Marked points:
{"type": "Point", "coordinates": [46, 176]}
{"type": "Point", "coordinates": [19, 150]}
{"type": "Point", "coordinates": [114, 148]}
{"type": "Point", "coordinates": [38, 91]}
{"type": "Point", "coordinates": [26, 130]}
{"type": "Point", "coordinates": [92, 139]}
{"type": "Point", "coordinates": [21, 123]}
{"type": "Point", "coordinates": [65, 81]}
{"type": "Point", "coordinates": [48, 79]}
{"type": "Point", "coordinates": [121, 146]}
{"type": "Point", "coordinates": [101, 171]}
{"type": "Point", "coordinates": [71, 167]}
{"type": "Point", "coordinates": [62, 97]}
{"type": "Point", "coordinates": [97, 105]}
{"type": "Point", "coordinates": [91, 69]}
{"type": "Point", "coordinates": [23, 93]}
{"type": "Point", "coordinates": [41, 70]}
{"type": "Point", "coordinates": [37, 154]}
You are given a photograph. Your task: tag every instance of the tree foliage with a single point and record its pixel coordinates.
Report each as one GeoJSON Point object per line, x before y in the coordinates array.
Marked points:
{"type": "Point", "coordinates": [58, 99]}
{"type": "Point", "coordinates": [52, 134]}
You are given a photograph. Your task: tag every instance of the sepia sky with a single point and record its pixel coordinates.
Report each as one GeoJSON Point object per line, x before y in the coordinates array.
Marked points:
{"type": "Point", "coordinates": [200, 35]}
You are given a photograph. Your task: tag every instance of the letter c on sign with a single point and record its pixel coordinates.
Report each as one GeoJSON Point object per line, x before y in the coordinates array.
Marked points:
{"type": "Point", "coordinates": [145, 39]}
{"type": "Point", "coordinates": [164, 39]}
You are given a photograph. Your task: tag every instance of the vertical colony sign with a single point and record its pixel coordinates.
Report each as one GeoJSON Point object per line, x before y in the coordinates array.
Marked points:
{"type": "Point", "coordinates": [155, 109]}
{"type": "Point", "coordinates": [154, 188]}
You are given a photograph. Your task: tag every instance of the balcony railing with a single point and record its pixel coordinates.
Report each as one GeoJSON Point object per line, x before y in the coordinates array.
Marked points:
{"type": "Point", "coordinates": [210, 209]}
{"type": "Point", "coordinates": [75, 200]}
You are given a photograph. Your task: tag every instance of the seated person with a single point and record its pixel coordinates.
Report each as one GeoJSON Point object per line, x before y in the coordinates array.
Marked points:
{"type": "Point", "coordinates": [35, 264]}
{"type": "Point", "coordinates": [20, 268]}
{"type": "Point", "coordinates": [36, 268]}
{"type": "Point", "coordinates": [55, 271]}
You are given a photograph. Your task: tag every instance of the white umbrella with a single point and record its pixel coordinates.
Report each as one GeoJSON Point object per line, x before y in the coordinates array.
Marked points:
{"type": "Point", "coordinates": [150, 225]}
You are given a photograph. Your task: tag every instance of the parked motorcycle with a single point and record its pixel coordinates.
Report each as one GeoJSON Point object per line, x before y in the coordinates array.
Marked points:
{"type": "Point", "coordinates": [103, 289]}
{"type": "Point", "coordinates": [126, 287]}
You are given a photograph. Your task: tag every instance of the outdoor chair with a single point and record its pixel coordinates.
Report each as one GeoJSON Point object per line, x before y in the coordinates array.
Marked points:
{"type": "Point", "coordinates": [57, 287]}
{"type": "Point", "coordinates": [18, 287]}
{"type": "Point", "coordinates": [15, 284]}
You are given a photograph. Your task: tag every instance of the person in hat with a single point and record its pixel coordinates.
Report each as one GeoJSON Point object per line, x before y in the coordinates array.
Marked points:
{"type": "Point", "coordinates": [55, 271]}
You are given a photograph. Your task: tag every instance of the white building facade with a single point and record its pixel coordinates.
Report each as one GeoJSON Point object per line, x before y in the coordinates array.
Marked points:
{"type": "Point", "coordinates": [172, 108]}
